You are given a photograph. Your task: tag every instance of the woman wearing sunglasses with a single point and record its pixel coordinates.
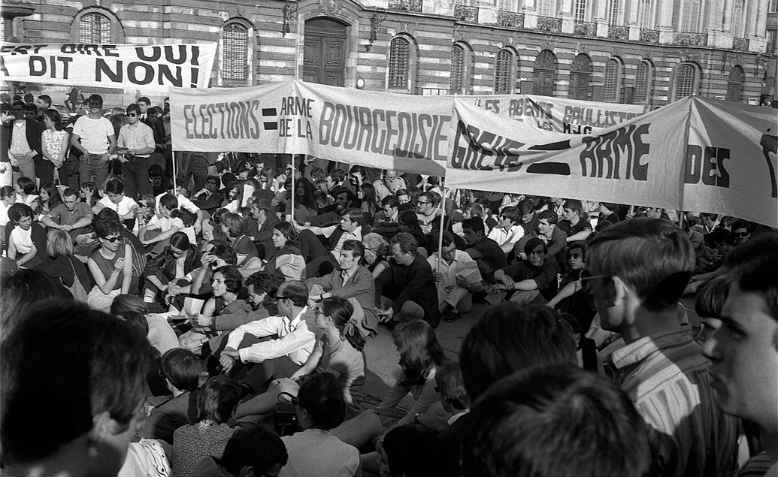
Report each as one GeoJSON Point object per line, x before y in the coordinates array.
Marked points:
{"type": "Point", "coordinates": [110, 265]}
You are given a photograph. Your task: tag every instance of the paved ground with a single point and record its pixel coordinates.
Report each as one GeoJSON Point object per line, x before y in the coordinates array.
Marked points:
{"type": "Point", "coordinates": [382, 356]}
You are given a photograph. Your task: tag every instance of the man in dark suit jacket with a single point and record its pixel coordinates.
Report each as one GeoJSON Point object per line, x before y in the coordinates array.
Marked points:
{"type": "Point", "coordinates": [154, 123]}
{"type": "Point", "coordinates": [27, 148]}
{"type": "Point", "coordinates": [408, 284]}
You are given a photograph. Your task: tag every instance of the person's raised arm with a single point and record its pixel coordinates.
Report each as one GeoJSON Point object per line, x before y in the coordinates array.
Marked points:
{"type": "Point", "coordinates": [127, 270]}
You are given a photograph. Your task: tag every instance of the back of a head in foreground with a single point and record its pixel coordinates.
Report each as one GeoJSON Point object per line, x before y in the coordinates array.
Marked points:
{"type": "Point", "coordinates": [509, 338]}
{"type": "Point", "coordinates": [256, 448]}
{"type": "Point", "coordinates": [64, 365]}
{"type": "Point", "coordinates": [557, 420]}
{"type": "Point", "coordinates": [653, 256]}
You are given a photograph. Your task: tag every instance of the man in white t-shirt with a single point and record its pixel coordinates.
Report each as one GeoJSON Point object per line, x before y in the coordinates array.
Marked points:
{"type": "Point", "coordinates": [95, 137]}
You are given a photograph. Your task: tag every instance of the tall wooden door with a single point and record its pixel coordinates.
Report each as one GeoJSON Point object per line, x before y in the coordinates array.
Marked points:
{"type": "Point", "coordinates": [324, 60]}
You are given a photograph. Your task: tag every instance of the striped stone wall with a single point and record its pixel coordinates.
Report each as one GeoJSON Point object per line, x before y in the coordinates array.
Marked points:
{"type": "Point", "coordinates": [277, 55]}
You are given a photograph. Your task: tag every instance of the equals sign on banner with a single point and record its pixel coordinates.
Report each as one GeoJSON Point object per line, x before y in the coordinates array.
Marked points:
{"type": "Point", "coordinates": [269, 125]}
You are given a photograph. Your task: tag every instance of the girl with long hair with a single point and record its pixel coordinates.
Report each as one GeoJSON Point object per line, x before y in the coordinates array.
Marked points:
{"type": "Point", "coordinates": [420, 357]}
{"type": "Point", "coordinates": [338, 350]}
{"type": "Point", "coordinates": [286, 257]}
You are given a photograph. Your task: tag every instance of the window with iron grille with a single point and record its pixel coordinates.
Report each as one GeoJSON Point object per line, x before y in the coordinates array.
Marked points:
{"type": "Point", "coordinates": [735, 84]}
{"type": "Point", "coordinates": [581, 77]}
{"type": "Point", "coordinates": [738, 18]}
{"type": "Point", "coordinates": [399, 63]}
{"type": "Point", "coordinates": [547, 8]}
{"type": "Point", "coordinates": [503, 74]}
{"type": "Point", "coordinates": [611, 88]}
{"type": "Point", "coordinates": [644, 82]}
{"type": "Point", "coordinates": [580, 11]}
{"type": "Point", "coordinates": [645, 19]}
{"type": "Point", "coordinates": [545, 73]}
{"type": "Point", "coordinates": [94, 28]}
{"type": "Point", "coordinates": [685, 80]}
{"type": "Point", "coordinates": [458, 69]}
{"type": "Point", "coordinates": [235, 52]}
{"type": "Point", "coordinates": [690, 16]}
{"type": "Point", "coordinates": [614, 12]}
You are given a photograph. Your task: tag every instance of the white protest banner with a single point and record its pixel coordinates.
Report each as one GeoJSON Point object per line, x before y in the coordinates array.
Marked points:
{"type": "Point", "coordinates": [146, 68]}
{"type": "Point", "coordinates": [384, 130]}
{"type": "Point", "coordinates": [625, 164]}
{"type": "Point", "coordinates": [730, 162]}
{"type": "Point", "coordinates": [389, 131]}
{"type": "Point", "coordinates": [727, 168]}
{"type": "Point", "coordinates": [231, 119]}
{"type": "Point", "coordinates": [563, 115]}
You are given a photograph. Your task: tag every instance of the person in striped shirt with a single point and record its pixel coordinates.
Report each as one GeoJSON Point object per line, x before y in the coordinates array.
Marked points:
{"type": "Point", "coordinates": [636, 272]}
{"type": "Point", "coordinates": [744, 352]}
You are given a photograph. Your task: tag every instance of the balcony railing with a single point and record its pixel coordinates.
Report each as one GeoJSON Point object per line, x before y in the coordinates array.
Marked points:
{"type": "Point", "coordinates": [740, 44]}
{"type": "Point", "coordinates": [508, 19]}
{"type": "Point", "coordinates": [618, 32]}
{"type": "Point", "coordinates": [465, 13]}
{"type": "Point", "coordinates": [431, 91]}
{"type": "Point", "coordinates": [649, 36]}
{"type": "Point", "coordinates": [690, 39]}
{"type": "Point", "coordinates": [550, 24]}
{"type": "Point", "coordinates": [585, 29]}
{"type": "Point", "coordinates": [406, 5]}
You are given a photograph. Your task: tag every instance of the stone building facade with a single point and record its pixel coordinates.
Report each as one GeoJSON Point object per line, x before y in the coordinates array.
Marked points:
{"type": "Point", "coordinates": [635, 51]}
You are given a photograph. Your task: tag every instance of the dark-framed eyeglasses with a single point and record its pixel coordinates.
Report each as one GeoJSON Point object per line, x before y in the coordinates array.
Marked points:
{"type": "Point", "coordinates": [421, 202]}
{"type": "Point", "coordinates": [132, 115]}
{"type": "Point", "coordinates": [112, 238]}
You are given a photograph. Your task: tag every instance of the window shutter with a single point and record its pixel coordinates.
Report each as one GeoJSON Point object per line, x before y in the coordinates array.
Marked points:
{"type": "Point", "coordinates": [457, 69]}
{"type": "Point", "coordinates": [684, 85]}
{"type": "Point", "coordinates": [545, 73]}
{"type": "Point", "coordinates": [94, 28]}
{"type": "Point", "coordinates": [735, 84]}
{"type": "Point", "coordinates": [581, 78]}
{"type": "Point", "coordinates": [612, 81]}
{"type": "Point", "coordinates": [643, 82]}
{"type": "Point", "coordinates": [399, 62]}
{"type": "Point", "coordinates": [235, 49]}
{"type": "Point", "coordinates": [502, 75]}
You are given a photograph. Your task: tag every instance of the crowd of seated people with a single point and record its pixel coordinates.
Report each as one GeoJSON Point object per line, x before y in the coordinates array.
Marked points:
{"type": "Point", "coordinates": [223, 325]}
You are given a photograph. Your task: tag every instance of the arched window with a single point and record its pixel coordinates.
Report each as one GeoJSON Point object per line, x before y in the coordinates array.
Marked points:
{"type": "Point", "coordinates": [685, 80]}
{"type": "Point", "coordinates": [644, 83]}
{"type": "Point", "coordinates": [579, 12]}
{"type": "Point", "coordinates": [235, 52]}
{"type": "Point", "coordinates": [460, 69]}
{"type": "Point", "coordinates": [399, 63]}
{"type": "Point", "coordinates": [545, 73]}
{"type": "Point", "coordinates": [612, 87]}
{"type": "Point", "coordinates": [94, 27]}
{"type": "Point", "coordinates": [735, 84]}
{"type": "Point", "coordinates": [581, 77]}
{"type": "Point", "coordinates": [738, 18]}
{"type": "Point", "coordinates": [503, 72]}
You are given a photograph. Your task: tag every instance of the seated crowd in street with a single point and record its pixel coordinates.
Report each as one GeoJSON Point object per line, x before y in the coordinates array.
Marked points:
{"type": "Point", "coordinates": [215, 321]}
